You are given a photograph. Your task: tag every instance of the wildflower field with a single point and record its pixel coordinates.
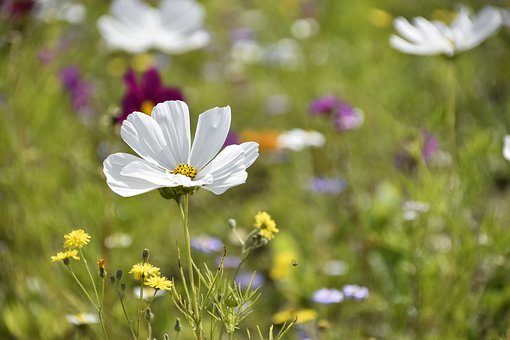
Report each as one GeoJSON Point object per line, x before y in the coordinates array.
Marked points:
{"type": "Point", "coordinates": [293, 169]}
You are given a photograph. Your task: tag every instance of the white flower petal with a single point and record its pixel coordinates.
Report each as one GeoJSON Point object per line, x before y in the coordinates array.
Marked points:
{"type": "Point", "coordinates": [182, 16]}
{"type": "Point", "coordinates": [486, 23]}
{"type": "Point", "coordinates": [228, 169]}
{"type": "Point", "coordinates": [173, 118]}
{"type": "Point", "coordinates": [506, 147]}
{"type": "Point", "coordinates": [123, 185]}
{"type": "Point", "coordinates": [404, 46]}
{"type": "Point", "coordinates": [144, 135]}
{"type": "Point", "coordinates": [212, 129]}
{"type": "Point", "coordinates": [251, 153]}
{"type": "Point", "coordinates": [406, 30]}
{"type": "Point", "coordinates": [144, 170]}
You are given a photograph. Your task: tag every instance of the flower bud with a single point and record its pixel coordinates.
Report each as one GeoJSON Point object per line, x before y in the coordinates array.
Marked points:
{"type": "Point", "coordinates": [177, 326]}
{"type": "Point", "coordinates": [148, 314]}
{"type": "Point", "coordinates": [145, 255]}
{"type": "Point", "coordinates": [123, 286]}
{"type": "Point", "coordinates": [112, 280]}
{"type": "Point", "coordinates": [232, 223]}
{"type": "Point", "coordinates": [232, 301]}
{"type": "Point", "coordinates": [118, 274]}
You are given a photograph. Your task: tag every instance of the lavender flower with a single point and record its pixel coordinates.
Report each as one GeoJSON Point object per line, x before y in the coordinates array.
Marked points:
{"type": "Point", "coordinates": [327, 296]}
{"type": "Point", "coordinates": [79, 90]}
{"type": "Point", "coordinates": [347, 117]}
{"type": "Point", "coordinates": [430, 145]}
{"type": "Point", "coordinates": [327, 185]}
{"type": "Point", "coordinates": [229, 261]}
{"type": "Point", "coordinates": [355, 292]}
{"type": "Point", "coordinates": [245, 278]}
{"type": "Point", "coordinates": [206, 244]}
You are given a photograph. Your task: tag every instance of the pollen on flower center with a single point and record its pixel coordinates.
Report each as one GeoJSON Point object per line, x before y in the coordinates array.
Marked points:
{"type": "Point", "coordinates": [186, 170]}
{"type": "Point", "coordinates": [147, 106]}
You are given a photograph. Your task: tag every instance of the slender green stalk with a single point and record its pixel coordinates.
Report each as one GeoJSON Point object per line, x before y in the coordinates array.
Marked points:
{"type": "Point", "coordinates": [140, 310]}
{"type": "Point", "coordinates": [125, 313]}
{"type": "Point", "coordinates": [99, 302]}
{"type": "Point", "coordinates": [83, 288]}
{"type": "Point", "coordinates": [100, 311]}
{"type": "Point", "coordinates": [451, 111]}
{"type": "Point", "coordinates": [194, 299]}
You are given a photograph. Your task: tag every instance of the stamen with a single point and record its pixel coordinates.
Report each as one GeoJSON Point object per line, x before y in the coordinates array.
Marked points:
{"type": "Point", "coordinates": [186, 170]}
{"type": "Point", "coordinates": [147, 107]}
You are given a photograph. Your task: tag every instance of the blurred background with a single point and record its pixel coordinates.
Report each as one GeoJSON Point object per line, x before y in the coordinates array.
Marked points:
{"type": "Point", "coordinates": [357, 167]}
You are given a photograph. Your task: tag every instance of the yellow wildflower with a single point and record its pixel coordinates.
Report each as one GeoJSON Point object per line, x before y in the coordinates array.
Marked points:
{"type": "Point", "coordinates": [287, 315]}
{"type": "Point", "coordinates": [144, 269]}
{"type": "Point", "coordinates": [66, 255]}
{"type": "Point", "coordinates": [159, 282]}
{"type": "Point", "coordinates": [266, 225]}
{"type": "Point", "coordinates": [76, 239]}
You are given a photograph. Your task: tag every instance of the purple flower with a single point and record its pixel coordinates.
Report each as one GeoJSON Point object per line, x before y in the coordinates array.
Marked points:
{"type": "Point", "coordinates": [327, 296]}
{"type": "Point", "coordinates": [245, 278]}
{"type": "Point", "coordinates": [430, 145]}
{"type": "Point", "coordinates": [229, 261]}
{"type": "Point", "coordinates": [79, 90]}
{"type": "Point", "coordinates": [347, 117]}
{"type": "Point", "coordinates": [145, 95]}
{"type": "Point", "coordinates": [355, 292]}
{"type": "Point", "coordinates": [327, 185]}
{"type": "Point", "coordinates": [232, 138]}
{"type": "Point", "coordinates": [206, 244]}
{"type": "Point", "coordinates": [17, 9]}
{"type": "Point", "coordinates": [324, 105]}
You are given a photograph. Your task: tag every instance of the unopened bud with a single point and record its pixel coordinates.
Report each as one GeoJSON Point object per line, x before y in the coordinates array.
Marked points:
{"type": "Point", "coordinates": [148, 314]}
{"type": "Point", "coordinates": [232, 301]}
{"type": "Point", "coordinates": [145, 255]}
{"type": "Point", "coordinates": [232, 223]}
{"type": "Point", "coordinates": [118, 274]}
{"type": "Point", "coordinates": [123, 286]}
{"type": "Point", "coordinates": [112, 279]}
{"type": "Point", "coordinates": [177, 326]}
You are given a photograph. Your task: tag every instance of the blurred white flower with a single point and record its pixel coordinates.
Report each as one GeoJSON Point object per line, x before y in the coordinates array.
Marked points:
{"type": "Point", "coordinates": [169, 161]}
{"type": "Point", "coordinates": [412, 209]}
{"type": "Point", "coordinates": [55, 10]}
{"type": "Point", "coordinates": [118, 240]}
{"type": "Point", "coordinates": [298, 139]}
{"type": "Point", "coordinates": [175, 27]}
{"type": "Point", "coordinates": [425, 37]}
{"type": "Point", "coordinates": [81, 319]}
{"type": "Point", "coordinates": [506, 147]}
{"type": "Point", "coordinates": [148, 293]}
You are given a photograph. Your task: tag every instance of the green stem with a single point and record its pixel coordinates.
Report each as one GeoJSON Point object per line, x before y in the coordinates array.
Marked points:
{"type": "Point", "coordinates": [125, 313]}
{"type": "Point", "coordinates": [83, 288]}
{"type": "Point", "coordinates": [194, 300]}
{"type": "Point", "coordinates": [451, 111]}
{"type": "Point", "coordinates": [100, 311]}
{"type": "Point", "coordinates": [140, 310]}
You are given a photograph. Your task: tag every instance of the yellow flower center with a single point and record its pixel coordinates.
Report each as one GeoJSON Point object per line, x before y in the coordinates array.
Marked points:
{"type": "Point", "coordinates": [186, 170]}
{"type": "Point", "coordinates": [147, 106]}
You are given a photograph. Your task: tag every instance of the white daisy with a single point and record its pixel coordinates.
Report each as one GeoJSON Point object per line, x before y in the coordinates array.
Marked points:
{"type": "Point", "coordinates": [425, 37]}
{"type": "Point", "coordinates": [168, 158]}
{"type": "Point", "coordinates": [175, 27]}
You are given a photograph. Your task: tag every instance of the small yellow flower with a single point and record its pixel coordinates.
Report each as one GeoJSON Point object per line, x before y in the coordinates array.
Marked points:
{"type": "Point", "coordinates": [300, 315]}
{"type": "Point", "coordinates": [76, 239]}
{"type": "Point", "coordinates": [159, 282]}
{"type": "Point", "coordinates": [66, 255]}
{"type": "Point", "coordinates": [266, 225]}
{"type": "Point", "coordinates": [144, 269]}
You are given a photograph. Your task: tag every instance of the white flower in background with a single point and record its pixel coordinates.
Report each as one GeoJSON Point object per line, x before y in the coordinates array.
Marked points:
{"type": "Point", "coordinates": [505, 14]}
{"type": "Point", "coordinates": [298, 139]}
{"type": "Point", "coordinates": [175, 27]}
{"type": "Point", "coordinates": [81, 319]}
{"type": "Point", "coordinates": [55, 10]}
{"type": "Point", "coordinates": [425, 37]}
{"type": "Point", "coordinates": [506, 147]}
{"type": "Point", "coordinates": [168, 160]}
{"type": "Point", "coordinates": [412, 209]}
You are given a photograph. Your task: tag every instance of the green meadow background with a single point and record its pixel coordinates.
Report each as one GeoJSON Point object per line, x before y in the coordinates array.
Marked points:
{"type": "Point", "coordinates": [443, 275]}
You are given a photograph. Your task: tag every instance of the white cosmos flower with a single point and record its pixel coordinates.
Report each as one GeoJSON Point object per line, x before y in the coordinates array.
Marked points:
{"type": "Point", "coordinates": [425, 37]}
{"type": "Point", "coordinates": [506, 147]}
{"type": "Point", "coordinates": [168, 160]}
{"type": "Point", "coordinates": [175, 27]}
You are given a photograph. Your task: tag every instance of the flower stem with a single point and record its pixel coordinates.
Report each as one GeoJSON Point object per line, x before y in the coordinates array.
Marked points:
{"type": "Point", "coordinates": [121, 298]}
{"type": "Point", "coordinates": [99, 302]}
{"type": "Point", "coordinates": [140, 311]}
{"type": "Point", "coordinates": [451, 112]}
{"type": "Point", "coordinates": [194, 300]}
{"type": "Point", "coordinates": [83, 288]}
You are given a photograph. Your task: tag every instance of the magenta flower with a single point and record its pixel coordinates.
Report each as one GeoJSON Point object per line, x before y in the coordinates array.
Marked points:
{"type": "Point", "coordinates": [324, 105]}
{"type": "Point", "coordinates": [143, 96]}
{"type": "Point", "coordinates": [430, 145]}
